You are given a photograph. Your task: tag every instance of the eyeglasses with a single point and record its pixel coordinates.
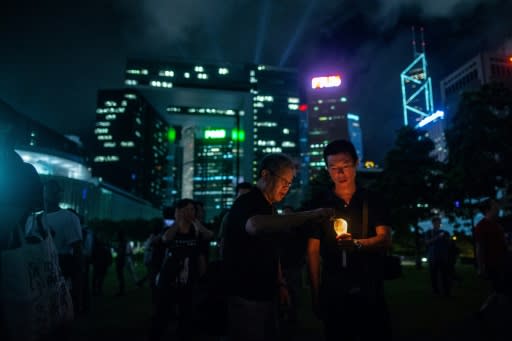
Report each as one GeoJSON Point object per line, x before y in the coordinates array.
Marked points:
{"type": "Point", "coordinates": [286, 183]}
{"type": "Point", "coordinates": [342, 169]}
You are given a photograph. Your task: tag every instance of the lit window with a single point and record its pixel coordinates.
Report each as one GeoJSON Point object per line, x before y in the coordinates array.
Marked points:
{"type": "Point", "coordinates": [187, 75]}
{"type": "Point", "coordinates": [223, 71]}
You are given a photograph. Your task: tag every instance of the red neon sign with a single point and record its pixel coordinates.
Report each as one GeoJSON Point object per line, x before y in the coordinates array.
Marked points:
{"type": "Point", "coordinates": [326, 82]}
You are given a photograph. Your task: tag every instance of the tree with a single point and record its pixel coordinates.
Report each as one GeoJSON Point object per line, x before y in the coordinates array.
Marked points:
{"type": "Point", "coordinates": [480, 147]}
{"type": "Point", "coordinates": [410, 182]}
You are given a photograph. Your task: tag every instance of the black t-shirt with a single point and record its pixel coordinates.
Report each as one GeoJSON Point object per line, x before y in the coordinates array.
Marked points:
{"type": "Point", "coordinates": [250, 262]}
{"type": "Point", "coordinates": [185, 250]}
{"type": "Point", "coordinates": [358, 263]}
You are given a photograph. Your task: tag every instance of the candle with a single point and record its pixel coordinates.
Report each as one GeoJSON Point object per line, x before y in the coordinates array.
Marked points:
{"type": "Point", "coordinates": [340, 226]}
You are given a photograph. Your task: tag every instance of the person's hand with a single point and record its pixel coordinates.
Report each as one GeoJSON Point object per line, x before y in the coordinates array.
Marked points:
{"type": "Point", "coordinates": [346, 244]}
{"type": "Point", "coordinates": [284, 295]}
{"type": "Point", "coordinates": [344, 236]}
{"type": "Point", "coordinates": [197, 226]}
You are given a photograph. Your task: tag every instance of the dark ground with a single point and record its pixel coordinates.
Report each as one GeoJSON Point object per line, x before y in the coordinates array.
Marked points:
{"type": "Point", "coordinates": [416, 313]}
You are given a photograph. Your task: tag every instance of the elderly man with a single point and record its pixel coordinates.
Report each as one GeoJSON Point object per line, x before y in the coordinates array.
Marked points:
{"type": "Point", "coordinates": [251, 256]}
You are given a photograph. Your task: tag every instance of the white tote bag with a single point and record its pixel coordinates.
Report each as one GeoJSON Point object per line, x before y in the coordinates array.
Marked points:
{"type": "Point", "coordinates": [34, 298]}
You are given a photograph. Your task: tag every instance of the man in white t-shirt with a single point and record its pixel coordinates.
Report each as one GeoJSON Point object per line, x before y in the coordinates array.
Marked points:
{"type": "Point", "coordinates": [67, 236]}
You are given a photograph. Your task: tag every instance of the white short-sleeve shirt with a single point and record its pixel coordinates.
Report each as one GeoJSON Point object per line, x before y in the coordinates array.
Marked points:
{"type": "Point", "coordinates": [66, 228]}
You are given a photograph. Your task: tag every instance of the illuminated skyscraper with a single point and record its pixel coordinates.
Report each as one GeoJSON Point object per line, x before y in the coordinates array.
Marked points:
{"type": "Point", "coordinates": [355, 134]}
{"type": "Point", "coordinates": [256, 105]}
{"type": "Point", "coordinates": [327, 117]}
{"type": "Point", "coordinates": [131, 144]}
{"type": "Point", "coordinates": [484, 68]}
{"type": "Point", "coordinates": [417, 100]}
{"type": "Point", "coordinates": [275, 103]}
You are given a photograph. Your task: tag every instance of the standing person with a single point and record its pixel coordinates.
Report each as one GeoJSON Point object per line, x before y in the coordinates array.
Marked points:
{"type": "Point", "coordinates": [65, 225]}
{"type": "Point", "coordinates": [240, 189]}
{"type": "Point", "coordinates": [185, 263]}
{"type": "Point", "coordinates": [347, 294]}
{"type": "Point", "coordinates": [251, 262]}
{"type": "Point", "coordinates": [439, 255]}
{"type": "Point", "coordinates": [121, 259]}
{"type": "Point", "coordinates": [491, 253]}
{"type": "Point", "coordinates": [101, 260]}
{"type": "Point", "coordinates": [21, 194]}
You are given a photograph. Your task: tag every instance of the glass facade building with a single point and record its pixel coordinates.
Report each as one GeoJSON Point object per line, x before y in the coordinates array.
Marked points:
{"type": "Point", "coordinates": [131, 145]}
{"type": "Point", "coordinates": [327, 118]}
{"type": "Point", "coordinates": [57, 157]}
{"type": "Point", "coordinates": [254, 106]}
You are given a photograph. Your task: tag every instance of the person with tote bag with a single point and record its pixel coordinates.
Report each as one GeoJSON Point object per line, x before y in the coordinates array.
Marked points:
{"type": "Point", "coordinates": [34, 301]}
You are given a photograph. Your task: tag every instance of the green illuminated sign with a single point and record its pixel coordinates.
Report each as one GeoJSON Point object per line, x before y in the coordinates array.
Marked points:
{"type": "Point", "coordinates": [238, 135]}
{"type": "Point", "coordinates": [171, 135]}
{"type": "Point", "coordinates": [215, 134]}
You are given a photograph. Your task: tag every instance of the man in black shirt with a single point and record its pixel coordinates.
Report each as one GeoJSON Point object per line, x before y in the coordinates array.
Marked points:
{"type": "Point", "coordinates": [347, 293]}
{"type": "Point", "coordinates": [251, 259]}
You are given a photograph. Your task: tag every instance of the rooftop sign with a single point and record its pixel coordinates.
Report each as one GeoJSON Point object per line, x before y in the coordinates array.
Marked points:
{"type": "Point", "coordinates": [326, 82]}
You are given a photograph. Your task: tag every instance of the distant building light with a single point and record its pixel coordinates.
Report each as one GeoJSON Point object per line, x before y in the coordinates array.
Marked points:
{"type": "Point", "coordinates": [369, 164]}
{"type": "Point", "coordinates": [326, 82]}
{"type": "Point", "coordinates": [353, 117]}
{"type": "Point", "coordinates": [303, 107]}
{"type": "Point", "coordinates": [437, 115]}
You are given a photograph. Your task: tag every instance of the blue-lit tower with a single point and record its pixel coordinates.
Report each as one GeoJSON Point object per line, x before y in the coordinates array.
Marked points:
{"type": "Point", "coordinates": [418, 102]}
{"type": "Point", "coordinates": [417, 98]}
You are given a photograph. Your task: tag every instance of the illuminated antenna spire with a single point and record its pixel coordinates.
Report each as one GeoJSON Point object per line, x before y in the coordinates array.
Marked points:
{"type": "Point", "coordinates": [422, 40]}
{"type": "Point", "coordinates": [414, 51]}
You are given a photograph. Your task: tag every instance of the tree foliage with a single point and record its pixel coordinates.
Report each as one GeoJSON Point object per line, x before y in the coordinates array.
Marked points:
{"type": "Point", "coordinates": [479, 140]}
{"type": "Point", "coordinates": [410, 179]}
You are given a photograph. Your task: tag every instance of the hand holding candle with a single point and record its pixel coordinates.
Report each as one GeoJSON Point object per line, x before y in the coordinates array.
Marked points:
{"type": "Point", "coordinates": [340, 226]}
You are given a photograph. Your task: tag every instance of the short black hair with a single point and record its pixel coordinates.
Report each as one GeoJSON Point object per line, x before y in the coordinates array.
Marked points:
{"type": "Point", "coordinates": [275, 162]}
{"type": "Point", "coordinates": [340, 146]}
{"type": "Point", "coordinates": [184, 202]}
{"type": "Point", "coordinates": [486, 205]}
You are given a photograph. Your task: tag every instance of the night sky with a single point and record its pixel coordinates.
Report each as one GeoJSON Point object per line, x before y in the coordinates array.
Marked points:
{"type": "Point", "coordinates": [55, 55]}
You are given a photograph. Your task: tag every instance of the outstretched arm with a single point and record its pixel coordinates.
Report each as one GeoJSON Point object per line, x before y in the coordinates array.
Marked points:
{"type": "Point", "coordinates": [269, 224]}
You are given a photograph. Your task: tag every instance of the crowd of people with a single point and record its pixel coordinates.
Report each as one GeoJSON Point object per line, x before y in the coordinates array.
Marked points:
{"type": "Point", "coordinates": [254, 282]}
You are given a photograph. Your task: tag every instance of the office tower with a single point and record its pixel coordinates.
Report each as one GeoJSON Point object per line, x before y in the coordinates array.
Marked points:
{"type": "Point", "coordinates": [276, 118]}
{"type": "Point", "coordinates": [486, 67]}
{"type": "Point", "coordinates": [327, 117]}
{"type": "Point", "coordinates": [256, 106]}
{"type": "Point", "coordinates": [59, 158]}
{"type": "Point", "coordinates": [355, 134]}
{"type": "Point", "coordinates": [131, 144]}
{"type": "Point", "coordinates": [417, 100]}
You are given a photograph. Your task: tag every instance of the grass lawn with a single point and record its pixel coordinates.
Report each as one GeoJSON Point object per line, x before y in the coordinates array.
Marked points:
{"type": "Point", "coordinates": [415, 312]}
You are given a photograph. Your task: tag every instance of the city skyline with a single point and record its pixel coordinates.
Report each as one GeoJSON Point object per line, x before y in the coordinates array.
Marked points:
{"type": "Point", "coordinates": [57, 57]}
